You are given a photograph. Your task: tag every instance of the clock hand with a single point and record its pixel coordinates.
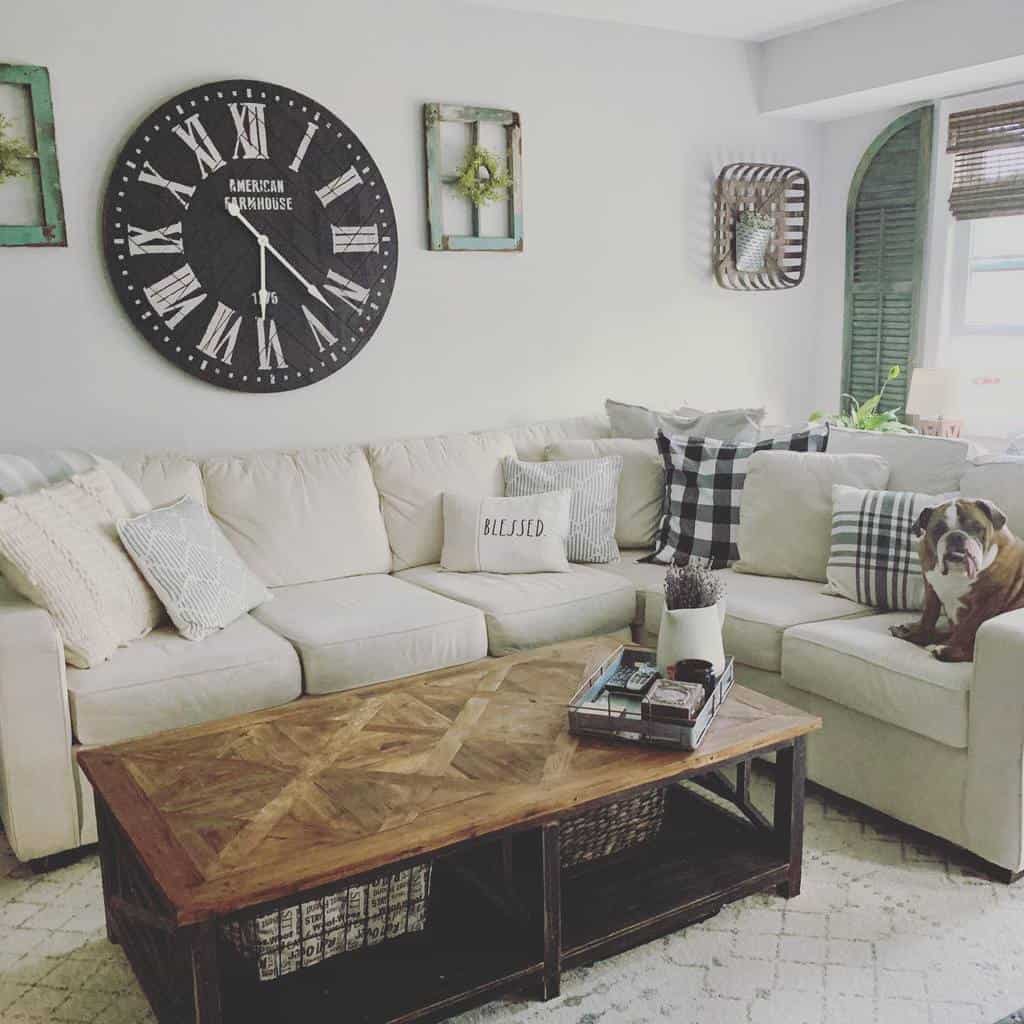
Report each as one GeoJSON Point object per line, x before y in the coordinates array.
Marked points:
{"type": "Point", "coordinates": [264, 294]}
{"type": "Point", "coordinates": [232, 207]}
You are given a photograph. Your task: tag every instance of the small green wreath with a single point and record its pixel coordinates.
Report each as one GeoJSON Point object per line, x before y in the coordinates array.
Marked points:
{"type": "Point", "coordinates": [480, 189]}
{"type": "Point", "coordinates": [12, 152]}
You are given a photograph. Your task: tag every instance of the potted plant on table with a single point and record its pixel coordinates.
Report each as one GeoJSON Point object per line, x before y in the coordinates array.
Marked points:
{"type": "Point", "coordinates": [866, 415]}
{"type": "Point", "coordinates": [692, 619]}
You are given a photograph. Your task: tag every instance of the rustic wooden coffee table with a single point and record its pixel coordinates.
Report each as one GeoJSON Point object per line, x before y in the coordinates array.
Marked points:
{"type": "Point", "coordinates": [471, 768]}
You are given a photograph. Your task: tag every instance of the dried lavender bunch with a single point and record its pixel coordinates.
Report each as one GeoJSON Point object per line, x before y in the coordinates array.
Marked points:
{"type": "Point", "coordinates": [692, 586]}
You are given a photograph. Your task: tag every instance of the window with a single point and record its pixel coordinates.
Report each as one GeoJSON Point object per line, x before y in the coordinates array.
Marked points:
{"type": "Point", "coordinates": [988, 276]}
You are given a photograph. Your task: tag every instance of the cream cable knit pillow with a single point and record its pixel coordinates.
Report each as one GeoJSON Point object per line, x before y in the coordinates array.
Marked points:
{"type": "Point", "coordinates": [59, 548]}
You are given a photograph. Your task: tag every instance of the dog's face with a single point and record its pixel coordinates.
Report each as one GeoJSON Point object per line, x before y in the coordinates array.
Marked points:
{"type": "Point", "coordinates": [960, 537]}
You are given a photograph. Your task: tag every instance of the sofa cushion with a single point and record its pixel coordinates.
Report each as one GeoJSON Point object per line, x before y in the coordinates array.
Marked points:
{"type": "Point", "coordinates": [531, 439]}
{"type": "Point", "coordinates": [364, 629]}
{"type": "Point", "coordinates": [931, 465]}
{"type": "Point", "coordinates": [532, 609]}
{"type": "Point", "coordinates": [786, 517]}
{"type": "Point", "coordinates": [856, 663]}
{"type": "Point", "coordinates": [164, 681]}
{"type": "Point", "coordinates": [411, 477]}
{"type": "Point", "coordinates": [999, 478]}
{"type": "Point", "coordinates": [758, 609]}
{"type": "Point", "coordinates": [641, 483]}
{"type": "Point", "coordinates": [296, 517]}
{"type": "Point", "coordinates": [165, 477]}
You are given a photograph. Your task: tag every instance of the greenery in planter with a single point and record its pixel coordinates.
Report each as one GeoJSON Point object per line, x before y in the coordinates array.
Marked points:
{"type": "Point", "coordinates": [865, 415]}
{"type": "Point", "coordinates": [753, 219]}
{"type": "Point", "coordinates": [12, 153]}
{"type": "Point", "coordinates": [490, 187]}
{"type": "Point", "coordinates": [692, 586]}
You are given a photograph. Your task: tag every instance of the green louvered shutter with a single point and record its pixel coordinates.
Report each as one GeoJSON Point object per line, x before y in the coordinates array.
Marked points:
{"type": "Point", "coordinates": [885, 228]}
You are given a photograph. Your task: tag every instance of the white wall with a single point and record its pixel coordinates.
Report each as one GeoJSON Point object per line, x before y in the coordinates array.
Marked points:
{"type": "Point", "coordinates": [903, 53]}
{"type": "Point", "coordinates": [624, 131]}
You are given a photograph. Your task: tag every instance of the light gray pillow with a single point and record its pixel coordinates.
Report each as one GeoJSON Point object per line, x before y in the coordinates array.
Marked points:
{"type": "Point", "coordinates": [635, 421]}
{"type": "Point", "coordinates": [594, 484]}
{"type": "Point", "coordinates": [196, 573]}
{"type": "Point", "coordinates": [723, 425]}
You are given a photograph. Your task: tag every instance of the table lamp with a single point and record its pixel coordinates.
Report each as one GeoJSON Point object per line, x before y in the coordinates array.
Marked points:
{"type": "Point", "coordinates": [935, 400]}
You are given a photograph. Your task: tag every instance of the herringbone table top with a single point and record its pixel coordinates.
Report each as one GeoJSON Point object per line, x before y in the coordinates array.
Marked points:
{"type": "Point", "coordinates": [252, 808]}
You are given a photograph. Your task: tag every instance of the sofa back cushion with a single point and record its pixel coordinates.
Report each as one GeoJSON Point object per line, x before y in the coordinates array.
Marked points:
{"type": "Point", "coordinates": [165, 477]}
{"type": "Point", "coordinates": [929, 465]}
{"type": "Point", "coordinates": [298, 517]}
{"type": "Point", "coordinates": [999, 478]}
{"type": "Point", "coordinates": [412, 475]}
{"type": "Point", "coordinates": [641, 483]}
{"type": "Point", "coordinates": [532, 439]}
{"type": "Point", "coordinates": [786, 514]}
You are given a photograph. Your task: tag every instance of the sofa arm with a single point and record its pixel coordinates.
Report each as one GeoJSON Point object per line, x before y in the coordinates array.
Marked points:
{"type": "Point", "coordinates": [994, 801]}
{"type": "Point", "coordinates": [38, 801]}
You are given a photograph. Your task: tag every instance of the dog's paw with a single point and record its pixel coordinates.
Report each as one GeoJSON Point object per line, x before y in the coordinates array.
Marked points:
{"type": "Point", "coordinates": [947, 652]}
{"type": "Point", "coordinates": [904, 631]}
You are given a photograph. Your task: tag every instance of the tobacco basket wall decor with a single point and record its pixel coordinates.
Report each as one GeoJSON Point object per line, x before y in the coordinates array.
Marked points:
{"type": "Point", "coordinates": [779, 192]}
{"type": "Point", "coordinates": [442, 239]}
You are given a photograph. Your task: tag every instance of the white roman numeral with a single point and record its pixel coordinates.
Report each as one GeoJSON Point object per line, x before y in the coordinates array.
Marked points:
{"type": "Point", "coordinates": [193, 134]}
{"type": "Point", "coordinates": [348, 291]}
{"type": "Point", "coordinates": [221, 334]}
{"type": "Point", "coordinates": [175, 294]}
{"type": "Point", "coordinates": [156, 242]}
{"type": "Point", "coordinates": [339, 186]}
{"type": "Point", "coordinates": [319, 331]}
{"type": "Point", "coordinates": [360, 239]}
{"type": "Point", "coordinates": [300, 153]}
{"type": "Point", "coordinates": [151, 176]}
{"type": "Point", "coordinates": [269, 345]}
{"type": "Point", "coordinates": [251, 128]}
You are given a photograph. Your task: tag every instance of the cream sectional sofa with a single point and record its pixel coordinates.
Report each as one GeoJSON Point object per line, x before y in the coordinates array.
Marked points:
{"type": "Point", "coordinates": [349, 540]}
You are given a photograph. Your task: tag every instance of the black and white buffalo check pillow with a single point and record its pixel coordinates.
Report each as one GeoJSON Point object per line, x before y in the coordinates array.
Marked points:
{"type": "Point", "coordinates": [873, 559]}
{"type": "Point", "coordinates": [703, 485]}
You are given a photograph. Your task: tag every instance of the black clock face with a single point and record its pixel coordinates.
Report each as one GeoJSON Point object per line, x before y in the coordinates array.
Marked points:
{"type": "Point", "coordinates": [250, 236]}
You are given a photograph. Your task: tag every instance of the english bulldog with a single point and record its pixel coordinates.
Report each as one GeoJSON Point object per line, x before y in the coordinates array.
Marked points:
{"type": "Point", "coordinates": [973, 570]}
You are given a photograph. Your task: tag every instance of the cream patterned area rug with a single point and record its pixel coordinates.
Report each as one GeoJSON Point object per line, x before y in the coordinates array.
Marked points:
{"type": "Point", "coordinates": [887, 930]}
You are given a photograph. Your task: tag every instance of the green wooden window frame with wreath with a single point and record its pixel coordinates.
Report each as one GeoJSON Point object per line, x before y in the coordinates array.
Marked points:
{"type": "Point", "coordinates": [41, 156]}
{"type": "Point", "coordinates": [886, 220]}
{"type": "Point", "coordinates": [480, 178]}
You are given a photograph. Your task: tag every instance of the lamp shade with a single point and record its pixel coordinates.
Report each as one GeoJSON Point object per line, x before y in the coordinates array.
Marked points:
{"type": "Point", "coordinates": [934, 392]}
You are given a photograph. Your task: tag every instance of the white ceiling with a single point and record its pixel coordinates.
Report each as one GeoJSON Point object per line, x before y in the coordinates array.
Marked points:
{"type": "Point", "coordinates": [752, 20]}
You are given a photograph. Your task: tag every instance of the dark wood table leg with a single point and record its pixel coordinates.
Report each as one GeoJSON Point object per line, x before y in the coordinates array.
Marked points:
{"type": "Point", "coordinates": [790, 780]}
{"type": "Point", "coordinates": [108, 865]}
{"type": "Point", "coordinates": [552, 874]}
{"type": "Point", "coordinates": [205, 975]}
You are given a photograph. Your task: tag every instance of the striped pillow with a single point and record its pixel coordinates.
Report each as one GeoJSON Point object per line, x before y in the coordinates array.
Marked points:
{"type": "Point", "coordinates": [594, 484]}
{"type": "Point", "coordinates": [874, 558]}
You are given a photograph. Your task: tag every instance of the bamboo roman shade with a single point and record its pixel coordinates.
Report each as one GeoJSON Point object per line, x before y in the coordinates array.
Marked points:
{"type": "Point", "coordinates": [988, 162]}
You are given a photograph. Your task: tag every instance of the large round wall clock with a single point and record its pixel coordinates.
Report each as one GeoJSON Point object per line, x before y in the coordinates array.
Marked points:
{"type": "Point", "coordinates": [250, 236]}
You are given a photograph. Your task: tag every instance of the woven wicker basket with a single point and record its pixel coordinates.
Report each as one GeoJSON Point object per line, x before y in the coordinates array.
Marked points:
{"type": "Point", "coordinates": [306, 932]}
{"type": "Point", "coordinates": [612, 828]}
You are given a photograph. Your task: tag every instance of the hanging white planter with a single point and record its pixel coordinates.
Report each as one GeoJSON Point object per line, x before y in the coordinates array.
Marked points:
{"type": "Point", "coordinates": [692, 633]}
{"type": "Point", "coordinates": [752, 241]}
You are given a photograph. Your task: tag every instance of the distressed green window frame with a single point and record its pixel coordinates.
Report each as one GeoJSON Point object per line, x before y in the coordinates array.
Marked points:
{"type": "Point", "coordinates": [434, 114]}
{"type": "Point", "coordinates": [52, 231]}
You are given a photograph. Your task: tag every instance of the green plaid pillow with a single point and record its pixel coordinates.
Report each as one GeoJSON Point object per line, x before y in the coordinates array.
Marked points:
{"type": "Point", "coordinates": [874, 559]}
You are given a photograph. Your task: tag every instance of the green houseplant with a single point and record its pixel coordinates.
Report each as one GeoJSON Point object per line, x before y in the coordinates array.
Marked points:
{"type": "Point", "coordinates": [866, 415]}
{"type": "Point", "coordinates": [12, 153]}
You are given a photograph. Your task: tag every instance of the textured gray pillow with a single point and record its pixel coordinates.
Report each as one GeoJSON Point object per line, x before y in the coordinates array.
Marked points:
{"type": "Point", "coordinates": [196, 573]}
{"type": "Point", "coordinates": [723, 425]}
{"type": "Point", "coordinates": [594, 484]}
